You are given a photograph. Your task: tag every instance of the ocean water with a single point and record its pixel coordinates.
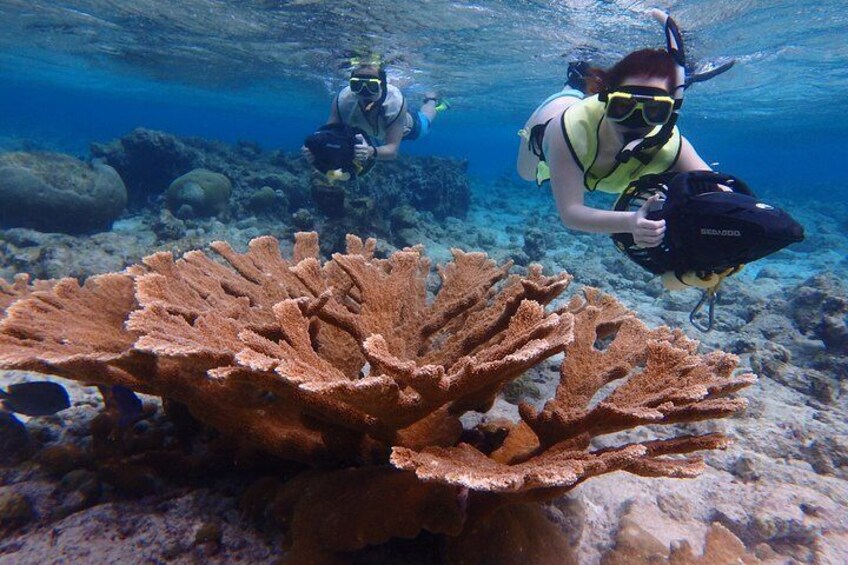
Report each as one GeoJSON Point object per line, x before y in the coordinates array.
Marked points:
{"type": "Point", "coordinates": [79, 72]}
{"type": "Point", "coordinates": [82, 71]}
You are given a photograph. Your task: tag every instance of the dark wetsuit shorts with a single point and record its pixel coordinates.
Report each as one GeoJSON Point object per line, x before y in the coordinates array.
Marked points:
{"type": "Point", "coordinates": [420, 126]}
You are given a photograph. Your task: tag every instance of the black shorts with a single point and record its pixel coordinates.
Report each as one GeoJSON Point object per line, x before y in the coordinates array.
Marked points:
{"type": "Point", "coordinates": [420, 126]}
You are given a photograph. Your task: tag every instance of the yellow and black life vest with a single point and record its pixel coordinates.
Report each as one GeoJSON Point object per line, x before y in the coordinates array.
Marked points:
{"type": "Point", "coordinates": [581, 124]}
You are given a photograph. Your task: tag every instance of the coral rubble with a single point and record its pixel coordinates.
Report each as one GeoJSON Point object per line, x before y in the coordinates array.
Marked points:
{"type": "Point", "coordinates": [348, 363]}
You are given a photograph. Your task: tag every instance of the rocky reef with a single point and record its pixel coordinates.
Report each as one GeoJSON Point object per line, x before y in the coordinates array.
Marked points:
{"type": "Point", "coordinates": [52, 192]}
{"type": "Point", "coordinates": [282, 187]}
{"type": "Point", "coordinates": [198, 193]}
{"type": "Point", "coordinates": [167, 192]}
{"type": "Point", "coordinates": [175, 486]}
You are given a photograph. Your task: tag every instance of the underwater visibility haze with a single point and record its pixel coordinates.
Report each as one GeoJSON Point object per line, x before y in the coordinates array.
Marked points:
{"type": "Point", "coordinates": [180, 124]}
{"type": "Point", "coordinates": [76, 72]}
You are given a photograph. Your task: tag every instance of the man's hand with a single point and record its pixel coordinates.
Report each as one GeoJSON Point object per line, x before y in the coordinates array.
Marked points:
{"type": "Point", "coordinates": [362, 151]}
{"type": "Point", "coordinates": [647, 233]}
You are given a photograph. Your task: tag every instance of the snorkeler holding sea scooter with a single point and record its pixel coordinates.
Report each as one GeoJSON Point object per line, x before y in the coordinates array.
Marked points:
{"type": "Point", "coordinates": [369, 119]}
{"type": "Point", "coordinates": [615, 131]}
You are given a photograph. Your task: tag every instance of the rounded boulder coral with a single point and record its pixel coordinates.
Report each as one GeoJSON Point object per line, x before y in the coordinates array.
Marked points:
{"type": "Point", "coordinates": [199, 193]}
{"type": "Point", "coordinates": [53, 192]}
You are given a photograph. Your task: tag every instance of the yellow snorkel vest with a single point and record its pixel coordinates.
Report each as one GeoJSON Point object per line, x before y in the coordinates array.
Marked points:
{"type": "Point", "coordinates": [580, 125]}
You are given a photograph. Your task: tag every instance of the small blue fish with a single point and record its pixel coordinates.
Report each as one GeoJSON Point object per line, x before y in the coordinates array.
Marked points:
{"type": "Point", "coordinates": [39, 398]}
{"type": "Point", "coordinates": [14, 437]}
{"type": "Point", "coordinates": [129, 406]}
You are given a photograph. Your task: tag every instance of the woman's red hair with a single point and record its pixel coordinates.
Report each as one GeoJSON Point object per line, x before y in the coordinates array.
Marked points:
{"type": "Point", "coordinates": [643, 63]}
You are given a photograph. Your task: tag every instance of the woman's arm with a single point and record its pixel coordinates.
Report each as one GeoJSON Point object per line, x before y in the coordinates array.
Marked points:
{"type": "Point", "coordinates": [390, 149]}
{"type": "Point", "coordinates": [689, 160]}
{"type": "Point", "coordinates": [567, 187]}
{"type": "Point", "coordinates": [386, 152]}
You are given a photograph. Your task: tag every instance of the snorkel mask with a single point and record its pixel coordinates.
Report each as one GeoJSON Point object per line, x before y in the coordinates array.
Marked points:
{"type": "Point", "coordinates": [371, 90]}
{"type": "Point", "coordinates": [365, 85]}
{"type": "Point", "coordinates": [362, 80]}
{"type": "Point", "coordinates": [639, 107]}
{"type": "Point", "coordinates": [639, 147]}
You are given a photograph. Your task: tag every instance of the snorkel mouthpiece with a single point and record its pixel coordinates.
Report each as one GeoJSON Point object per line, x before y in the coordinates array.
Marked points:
{"type": "Point", "coordinates": [634, 130]}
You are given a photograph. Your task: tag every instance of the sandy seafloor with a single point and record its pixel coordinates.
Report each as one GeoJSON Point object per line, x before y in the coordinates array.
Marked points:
{"type": "Point", "coordinates": [782, 487]}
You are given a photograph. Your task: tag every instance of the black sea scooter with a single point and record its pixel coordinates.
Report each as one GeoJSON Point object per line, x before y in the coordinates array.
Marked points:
{"type": "Point", "coordinates": [714, 222]}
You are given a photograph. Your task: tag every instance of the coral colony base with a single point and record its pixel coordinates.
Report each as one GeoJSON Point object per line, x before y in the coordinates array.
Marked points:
{"type": "Point", "coordinates": [348, 367]}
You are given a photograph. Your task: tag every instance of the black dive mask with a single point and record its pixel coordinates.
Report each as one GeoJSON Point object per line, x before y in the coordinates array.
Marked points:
{"type": "Point", "coordinates": [639, 107]}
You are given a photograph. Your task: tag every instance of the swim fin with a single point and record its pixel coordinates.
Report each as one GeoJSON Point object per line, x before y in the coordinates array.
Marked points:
{"type": "Point", "coordinates": [543, 173]}
{"type": "Point", "coordinates": [707, 71]}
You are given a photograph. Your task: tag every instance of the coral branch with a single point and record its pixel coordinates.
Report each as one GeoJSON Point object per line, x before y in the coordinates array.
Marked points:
{"type": "Point", "coordinates": [74, 331]}
{"type": "Point", "coordinates": [19, 288]}
{"type": "Point", "coordinates": [465, 466]}
{"type": "Point", "coordinates": [666, 381]}
{"type": "Point", "coordinates": [347, 361]}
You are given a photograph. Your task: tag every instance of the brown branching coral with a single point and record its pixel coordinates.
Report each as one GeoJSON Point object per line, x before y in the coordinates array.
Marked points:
{"type": "Point", "coordinates": [348, 361]}
{"type": "Point", "coordinates": [20, 287]}
{"type": "Point", "coordinates": [668, 383]}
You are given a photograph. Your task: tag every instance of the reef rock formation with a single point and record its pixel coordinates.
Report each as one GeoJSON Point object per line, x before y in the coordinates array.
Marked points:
{"type": "Point", "coordinates": [148, 161]}
{"type": "Point", "coordinates": [431, 184]}
{"type": "Point", "coordinates": [820, 309]}
{"type": "Point", "coordinates": [347, 363]}
{"type": "Point", "coordinates": [635, 546]}
{"type": "Point", "coordinates": [199, 192]}
{"type": "Point", "coordinates": [276, 184]}
{"type": "Point", "coordinates": [53, 192]}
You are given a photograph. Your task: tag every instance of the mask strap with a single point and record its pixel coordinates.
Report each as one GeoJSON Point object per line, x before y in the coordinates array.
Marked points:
{"type": "Point", "coordinates": [674, 45]}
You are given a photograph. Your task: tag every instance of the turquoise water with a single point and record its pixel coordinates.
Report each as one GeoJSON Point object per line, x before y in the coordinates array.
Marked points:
{"type": "Point", "coordinates": [76, 72]}
{"type": "Point", "coordinates": [79, 72]}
